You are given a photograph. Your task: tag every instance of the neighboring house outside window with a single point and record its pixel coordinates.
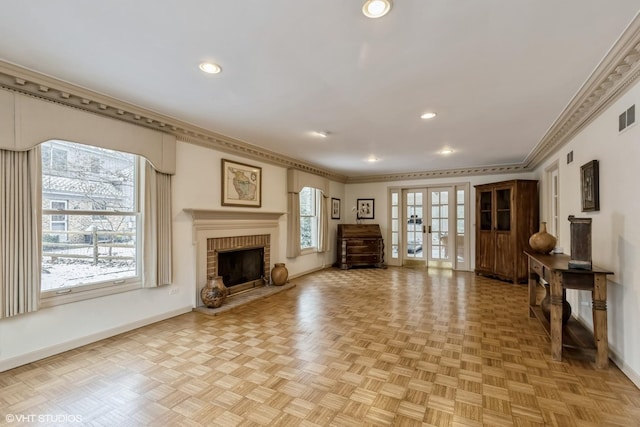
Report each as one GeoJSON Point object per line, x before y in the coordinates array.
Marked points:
{"type": "Point", "coordinates": [90, 217]}
{"type": "Point", "coordinates": [309, 218]}
{"type": "Point", "coordinates": [58, 222]}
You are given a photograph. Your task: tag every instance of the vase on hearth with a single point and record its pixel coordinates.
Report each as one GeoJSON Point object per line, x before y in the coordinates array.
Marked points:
{"type": "Point", "coordinates": [214, 293]}
{"type": "Point", "coordinates": [279, 274]}
{"type": "Point", "coordinates": [542, 242]}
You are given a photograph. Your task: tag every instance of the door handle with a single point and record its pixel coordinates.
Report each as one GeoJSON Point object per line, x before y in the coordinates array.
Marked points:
{"type": "Point", "coordinates": [424, 229]}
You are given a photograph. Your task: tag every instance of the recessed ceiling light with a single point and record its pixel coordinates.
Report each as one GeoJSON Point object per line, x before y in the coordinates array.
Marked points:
{"type": "Point", "coordinates": [446, 151]}
{"type": "Point", "coordinates": [372, 159]}
{"type": "Point", "coordinates": [210, 68]}
{"type": "Point", "coordinates": [320, 134]}
{"type": "Point", "coordinates": [430, 115]}
{"type": "Point", "coordinates": [376, 8]}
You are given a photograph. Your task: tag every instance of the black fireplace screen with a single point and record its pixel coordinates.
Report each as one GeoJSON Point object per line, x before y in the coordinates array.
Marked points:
{"type": "Point", "coordinates": [241, 266]}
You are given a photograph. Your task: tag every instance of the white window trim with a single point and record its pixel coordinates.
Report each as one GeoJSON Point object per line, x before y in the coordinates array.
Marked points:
{"type": "Point", "coordinates": [553, 200]}
{"type": "Point", "coordinates": [304, 250]}
{"type": "Point", "coordinates": [54, 297]}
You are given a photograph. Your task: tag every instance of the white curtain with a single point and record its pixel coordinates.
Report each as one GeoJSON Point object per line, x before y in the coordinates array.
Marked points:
{"type": "Point", "coordinates": [20, 231]}
{"type": "Point", "coordinates": [293, 224]}
{"type": "Point", "coordinates": [156, 247]}
{"type": "Point", "coordinates": [323, 235]}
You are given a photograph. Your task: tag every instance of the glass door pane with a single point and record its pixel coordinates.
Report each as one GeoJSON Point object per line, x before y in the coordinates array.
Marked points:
{"type": "Point", "coordinates": [414, 224]}
{"type": "Point", "coordinates": [441, 238]}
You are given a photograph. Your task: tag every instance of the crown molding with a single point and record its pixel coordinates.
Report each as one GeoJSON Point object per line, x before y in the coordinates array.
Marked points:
{"type": "Point", "coordinates": [612, 77]}
{"type": "Point", "coordinates": [444, 173]}
{"type": "Point", "coordinates": [31, 83]}
{"type": "Point", "coordinates": [618, 70]}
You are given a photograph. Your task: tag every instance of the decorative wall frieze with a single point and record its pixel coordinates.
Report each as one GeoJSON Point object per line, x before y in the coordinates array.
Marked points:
{"type": "Point", "coordinates": [46, 88]}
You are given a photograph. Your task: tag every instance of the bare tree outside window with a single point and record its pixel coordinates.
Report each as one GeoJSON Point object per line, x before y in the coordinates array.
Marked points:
{"type": "Point", "coordinates": [99, 187]}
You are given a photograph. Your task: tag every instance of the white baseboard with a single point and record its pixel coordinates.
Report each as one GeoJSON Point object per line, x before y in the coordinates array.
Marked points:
{"type": "Point", "coordinates": [615, 357]}
{"type": "Point", "coordinates": [304, 273]}
{"type": "Point", "coordinates": [626, 369]}
{"type": "Point", "coordinates": [42, 353]}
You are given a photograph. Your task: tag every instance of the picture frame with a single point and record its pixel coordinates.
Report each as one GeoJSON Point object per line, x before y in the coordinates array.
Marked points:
{"type": "Point", "coordinates": [590, 186]}
{"type": "Point", "coordinates": [335, 208]}
{"type": "Point", "coordinates": [241, 184]}
{"type": "Point", "coordinates": [365, 208]}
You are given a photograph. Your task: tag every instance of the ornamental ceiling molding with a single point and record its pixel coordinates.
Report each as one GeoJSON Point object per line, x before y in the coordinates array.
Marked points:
{"type": "Point", "coordinates": [30, 83]}
{"type": "Point", "coordinates": [444, 173]}
{"type": "Point", "coordinates": [619, 69]}
{"type": "Point", "coordinates": [616, 72]}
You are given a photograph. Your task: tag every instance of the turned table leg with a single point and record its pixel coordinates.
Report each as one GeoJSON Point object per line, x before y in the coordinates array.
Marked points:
{"type": "Point", "coordinates": [556, 315]}
{"type": "Point", "coordinates": [533, 282]}
{"type": "Point", "coordinates": [600, 333]}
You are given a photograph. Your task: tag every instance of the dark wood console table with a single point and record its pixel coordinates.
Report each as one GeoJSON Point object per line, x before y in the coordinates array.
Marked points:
{"type": "Point", "coordinates": [554, 269]}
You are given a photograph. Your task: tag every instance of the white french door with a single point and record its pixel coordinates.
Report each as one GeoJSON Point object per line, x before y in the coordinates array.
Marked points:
{"type": "Point", "coordinates": [414, 226]}
{"type": "Point", "coordinates": [434, 227]}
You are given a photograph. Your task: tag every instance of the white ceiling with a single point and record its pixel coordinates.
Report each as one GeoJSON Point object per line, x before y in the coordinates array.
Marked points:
{"type": "Point", "coordinates": [497, 72]}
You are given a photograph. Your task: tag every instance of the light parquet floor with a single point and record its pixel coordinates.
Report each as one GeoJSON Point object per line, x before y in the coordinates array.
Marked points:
{"type": "Point", "coordinates": [401, 347]}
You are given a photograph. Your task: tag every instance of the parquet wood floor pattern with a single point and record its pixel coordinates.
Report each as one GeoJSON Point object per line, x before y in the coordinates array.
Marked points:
{"type": "Point", "coordinates": [395, 347]}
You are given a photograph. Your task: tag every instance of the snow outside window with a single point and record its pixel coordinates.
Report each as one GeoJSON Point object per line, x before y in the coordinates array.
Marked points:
{"type": "Point", "coordinates": [90, 217]}
{"type": "Point", "coordinates": [309, 218]}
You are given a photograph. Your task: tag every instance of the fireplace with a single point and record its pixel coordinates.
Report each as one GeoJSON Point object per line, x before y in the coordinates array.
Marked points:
{"type": "Point", "coordinates": [242, 261]}
{"type": "Point", "coordinates": [237, 267]}
{"type": "Point", "coordinates": [225, 230]}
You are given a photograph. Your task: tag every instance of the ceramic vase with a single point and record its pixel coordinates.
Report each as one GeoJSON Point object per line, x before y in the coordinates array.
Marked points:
{"type": "Point", "coordinates": [214, 293]}
{"type": "Point", "coordinates": [545, 307]}
{"type": "Point", "coordinates": [542, 242]}
{"type": "Point", "coordinates": [279, 274]}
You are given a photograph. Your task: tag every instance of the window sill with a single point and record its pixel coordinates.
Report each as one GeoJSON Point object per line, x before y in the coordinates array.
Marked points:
{"type": "Point", "coordinates": [307, 251]}
{"type": "Point", "coordinates": [52, 298]}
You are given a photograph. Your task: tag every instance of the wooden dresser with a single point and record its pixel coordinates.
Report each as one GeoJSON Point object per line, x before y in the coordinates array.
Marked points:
{"type": "Point", "coordinates": [360, 245]}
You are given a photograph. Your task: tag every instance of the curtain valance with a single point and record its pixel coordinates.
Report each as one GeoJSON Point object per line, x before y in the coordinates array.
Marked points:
{"type": "Point", "coordinates": [26, 122]}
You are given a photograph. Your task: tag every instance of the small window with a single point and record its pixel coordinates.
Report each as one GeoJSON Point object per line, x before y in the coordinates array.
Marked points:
{"type": "Point", "coordinates": [309, 218]}
{"type": "Point", "coordinates": [58, 159]}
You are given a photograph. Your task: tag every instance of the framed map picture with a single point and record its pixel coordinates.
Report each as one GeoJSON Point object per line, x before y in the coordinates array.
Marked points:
{"type": "Point", "coordinates": [241, 184]}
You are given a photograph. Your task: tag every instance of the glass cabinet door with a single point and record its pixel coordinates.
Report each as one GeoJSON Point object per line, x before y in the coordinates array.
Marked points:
{"type": "Point", "coordinates": [486, 206]}
{"type": "Point", "coordinates": [503, 209]}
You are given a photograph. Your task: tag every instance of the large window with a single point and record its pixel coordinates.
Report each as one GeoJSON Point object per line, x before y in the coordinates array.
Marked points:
{"type": "Point", "coordinates": [309, 218]}
{"type": "Point", "coordinates": [90, 217]}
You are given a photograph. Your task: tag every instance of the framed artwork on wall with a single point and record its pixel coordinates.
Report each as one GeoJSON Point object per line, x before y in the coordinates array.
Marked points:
{"type": "Point", "coordinates": [366, 208]}
{"type": "Point", "coordinates": [241, 184]}
{"type": "Point", "coordinates": [590, 184]}
{"type": "Point", "coordinates": [335, 208]}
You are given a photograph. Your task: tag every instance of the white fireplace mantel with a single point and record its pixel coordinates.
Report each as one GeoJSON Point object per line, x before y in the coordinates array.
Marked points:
{"type": "Point", "coordinates": [209, 220]}
{"type": "Point", "coordinates": [218, 214]}
{"type": "Point", "coordinates": [209, 223]}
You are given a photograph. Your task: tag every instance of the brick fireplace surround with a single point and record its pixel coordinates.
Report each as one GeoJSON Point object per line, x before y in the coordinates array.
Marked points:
{"type": "Point", "coordinates": [217, 244]}
{"type": "Point", "coordinates": [229, 229]}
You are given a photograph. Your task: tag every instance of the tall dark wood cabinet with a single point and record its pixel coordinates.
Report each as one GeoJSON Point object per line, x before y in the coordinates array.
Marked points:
{"type": "Point", "coordinates": [506, 216]}
{"type": "Point", "coordinates": [360, 245]}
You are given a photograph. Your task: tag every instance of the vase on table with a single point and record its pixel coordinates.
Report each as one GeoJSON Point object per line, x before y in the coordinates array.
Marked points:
{"type": "Point", "coordinates": [279, 274]}
{"type": "Point", "coordinates": [542, 242]}
{"type": "Point", "coordinates": [214, 293]}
